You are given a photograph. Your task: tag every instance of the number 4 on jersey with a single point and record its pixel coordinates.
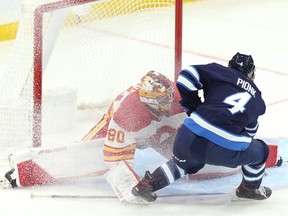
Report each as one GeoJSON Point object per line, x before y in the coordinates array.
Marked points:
{"type": "Point", "coordinates": [238, 101]}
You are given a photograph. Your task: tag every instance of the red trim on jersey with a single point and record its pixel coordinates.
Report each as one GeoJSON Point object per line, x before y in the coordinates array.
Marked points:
{"type": "Point", "coordinates": [112, 154]}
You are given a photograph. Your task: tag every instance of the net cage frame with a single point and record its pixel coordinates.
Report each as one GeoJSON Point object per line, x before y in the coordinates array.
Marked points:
{"type": "Point", "coordinates": [38, 55]}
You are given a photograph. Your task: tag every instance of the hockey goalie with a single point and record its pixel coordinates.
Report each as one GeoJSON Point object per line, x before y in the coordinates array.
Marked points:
{"type": "Point", "coordinates": [147, 114]}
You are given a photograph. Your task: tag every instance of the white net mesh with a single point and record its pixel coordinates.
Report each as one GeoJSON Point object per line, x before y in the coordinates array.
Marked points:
{"type": "Point", "coordinates": [100, 49]}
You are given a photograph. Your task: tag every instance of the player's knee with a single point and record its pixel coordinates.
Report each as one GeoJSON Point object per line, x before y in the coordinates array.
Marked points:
{"type": "Point", "coordinates": [188, 166]}
{"type": "Point", "coordinates": [195, 169]}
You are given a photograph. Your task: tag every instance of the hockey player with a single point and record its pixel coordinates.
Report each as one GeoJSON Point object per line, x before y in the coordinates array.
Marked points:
{"type": "Point", "coordinates": [146, 115]}
{"type": "Point", "coordinates": [218, 131]}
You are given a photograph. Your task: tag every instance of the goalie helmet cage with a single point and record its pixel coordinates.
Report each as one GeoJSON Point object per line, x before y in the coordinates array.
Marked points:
{"type": "Point", "coordinates": [59, 43]}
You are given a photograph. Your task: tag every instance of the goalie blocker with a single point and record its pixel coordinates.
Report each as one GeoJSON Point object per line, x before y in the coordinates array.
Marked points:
{"type": "Point", "coordinates": [38, 166]}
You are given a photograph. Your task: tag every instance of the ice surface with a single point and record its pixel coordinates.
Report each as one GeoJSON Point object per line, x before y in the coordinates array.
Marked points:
{"type": "Point", "coordinates": [214, 30]}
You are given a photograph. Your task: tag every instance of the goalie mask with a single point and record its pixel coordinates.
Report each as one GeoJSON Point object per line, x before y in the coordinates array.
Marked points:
{"type": "Point", "coordinates": [156, 91]}
{"type": "Point", "coordinates": [244, 64]}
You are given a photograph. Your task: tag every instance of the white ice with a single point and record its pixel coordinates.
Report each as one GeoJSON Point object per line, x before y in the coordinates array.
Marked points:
{"type": "Point", "coordinates": [214, 30]}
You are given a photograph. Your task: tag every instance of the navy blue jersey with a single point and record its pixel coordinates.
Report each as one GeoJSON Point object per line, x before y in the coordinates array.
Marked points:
{"type": "Point", "coordinates": [232, 104]}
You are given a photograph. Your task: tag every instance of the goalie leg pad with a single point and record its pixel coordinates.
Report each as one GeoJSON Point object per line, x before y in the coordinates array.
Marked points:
{"type": "Point", "coordinates": [122, 178]}
{"type": "Point", "coordinates": [38, 166]}
{"type": "Point", "coordinates": [273, 157]}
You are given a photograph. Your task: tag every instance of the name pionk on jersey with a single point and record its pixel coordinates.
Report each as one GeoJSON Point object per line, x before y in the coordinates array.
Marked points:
{"type": "Point", "coordinates": [246, 86]}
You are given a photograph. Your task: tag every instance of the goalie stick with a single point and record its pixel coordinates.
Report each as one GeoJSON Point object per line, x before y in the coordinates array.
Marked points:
{"type": "Point", "coordinates": [63, 196]}
{"type": "Point", "coordinates": [232, 196]}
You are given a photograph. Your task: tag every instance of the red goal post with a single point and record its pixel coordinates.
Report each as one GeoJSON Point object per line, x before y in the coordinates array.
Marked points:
{"type": "Point", "coordinates": [43, 61]}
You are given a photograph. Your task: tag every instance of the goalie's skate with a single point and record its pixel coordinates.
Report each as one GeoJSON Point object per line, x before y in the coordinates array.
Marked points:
{"type": "Point", "coordinates": [244, 192]}
{"type": "Point", "coordinates": [10, 178]}
{"type": "Point", "coordinates": [144, 189]}
{"type": "Point", "coordinates": [8, 181]}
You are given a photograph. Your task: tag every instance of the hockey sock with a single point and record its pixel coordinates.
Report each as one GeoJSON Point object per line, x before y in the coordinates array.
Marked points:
{"type": "Point", "coordinates": [252, 175]}
{"type": "Point", "coordinates": [165, 175]}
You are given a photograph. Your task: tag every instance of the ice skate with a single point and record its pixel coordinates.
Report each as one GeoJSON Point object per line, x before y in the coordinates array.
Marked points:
{"type": "Point", "coordinates": [10, 179]}
{"type": "Point", "coordinates": [244, 192]}
{"type": "Point", "coordinates": [144, 188]}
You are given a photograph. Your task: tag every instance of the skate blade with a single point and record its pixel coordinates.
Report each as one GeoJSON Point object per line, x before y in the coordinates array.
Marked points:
{"type": "Point", "coordinates": [241, 199]}
{"type": "Point", "coordinates": [130, 198]}
{"type": "Point", "coordinates": [4, 183]}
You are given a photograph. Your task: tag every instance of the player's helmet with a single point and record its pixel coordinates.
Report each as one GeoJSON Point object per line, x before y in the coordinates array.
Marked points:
{"type": "Point", "coordinates": [156, 91]}
{"type": "Point", "coordinates": [243, 63]}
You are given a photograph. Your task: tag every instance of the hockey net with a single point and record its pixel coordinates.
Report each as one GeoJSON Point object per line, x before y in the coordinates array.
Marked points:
{"type": "Point", "coordinates": [97, 48]}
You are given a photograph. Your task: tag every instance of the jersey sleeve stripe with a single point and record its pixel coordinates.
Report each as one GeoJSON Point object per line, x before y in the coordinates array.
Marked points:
{"type": "Point", "coordinates": [119, 150]}
{"type": "Point", "coordinates": [112, 154]}
{"type": "Point", "coordinates": [97, 127]}
{"type": "Point", "coordinates": [192, 74]}
{"type": "Point", "coordinates": [187, 84]}
{"type": "Point", "coordinates": [252, 131]}
{"type": "Point", "coordinates": [118, 158]}
{"type": "Point", "coordinates": [252, 128]}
